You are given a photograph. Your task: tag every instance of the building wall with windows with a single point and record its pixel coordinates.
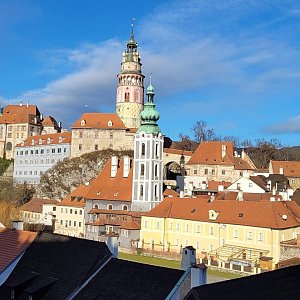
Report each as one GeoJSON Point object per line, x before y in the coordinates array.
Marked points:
{"type": "Point", "coordinates": [176, 223]}
{"type": "Point", "coordinates": [17, 123]}
{"type": "Point", "coordinates": [98, 131]}
{"type": "Point", "coordinates": [70, 220]}
{"type": "Point", "coordinates": [39, 153]}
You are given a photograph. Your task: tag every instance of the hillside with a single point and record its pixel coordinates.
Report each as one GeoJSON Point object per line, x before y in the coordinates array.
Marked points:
{"type": "Point", "coordinates": [60, 180]}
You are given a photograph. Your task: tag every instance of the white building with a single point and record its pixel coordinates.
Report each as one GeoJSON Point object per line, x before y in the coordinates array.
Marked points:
{"type": "Point", "coordinates": [39, 153]}
{"type": "Point", "coordinates": [147, 188]}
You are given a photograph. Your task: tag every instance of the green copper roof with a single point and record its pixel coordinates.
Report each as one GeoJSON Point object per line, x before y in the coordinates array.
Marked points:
{"type": "Point", "coordinates": [149, 116]}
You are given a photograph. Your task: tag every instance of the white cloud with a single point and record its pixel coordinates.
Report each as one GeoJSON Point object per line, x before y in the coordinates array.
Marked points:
{"type": "Point", "coordinates": [289, 126]}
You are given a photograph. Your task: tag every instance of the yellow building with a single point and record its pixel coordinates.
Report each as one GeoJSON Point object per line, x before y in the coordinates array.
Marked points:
{"type": "Point", "coordinates": [17, 123]}
{"type": "Point", "coordinates": [237, 232]}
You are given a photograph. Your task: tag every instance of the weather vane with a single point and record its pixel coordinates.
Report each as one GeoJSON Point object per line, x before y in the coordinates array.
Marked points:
{"type": "Point", "coordinates": [132, 25]}
{"type": "Point", "coordinates": [150, 78]}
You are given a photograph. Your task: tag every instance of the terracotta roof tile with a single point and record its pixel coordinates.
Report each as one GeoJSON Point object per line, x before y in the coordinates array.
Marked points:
{"type": "Point", "coordinates": [47, 139]}
{"type": "Point", "coordinates": [12, 243]}
{"type": "Point", "coordinates": [177, 151]}
{"type": "Point", "coordinates": [36, 204]}
{"type": "Point", "coordinates": [76, 198]}
{"type": "Point", "coordinates": [213, 185]}
{"type": "Point", "coordinates": [170, 193]}
{"type": "Point", "coordinates": [290, 168]}
{"type": "Point", "coordinates": [210, 153]}
{"type": "Point", "coordinates": [99, 120]}
{"type": "Point", "coordinates": [248, 213]}
{"type": "Point", "coordinates": [49, 121]}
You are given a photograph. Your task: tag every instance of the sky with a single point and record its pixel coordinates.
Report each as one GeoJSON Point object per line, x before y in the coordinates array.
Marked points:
{"type": "Point", "coordinates": [234, 64]}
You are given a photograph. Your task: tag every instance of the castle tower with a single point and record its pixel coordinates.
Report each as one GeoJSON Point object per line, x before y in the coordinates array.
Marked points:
{"type": "Point", "coordinates": [130, 91]}
{"type": "Point", "coordinates": [147, 186]}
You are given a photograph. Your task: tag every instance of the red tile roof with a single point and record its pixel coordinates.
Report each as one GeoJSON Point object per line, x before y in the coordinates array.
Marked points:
{"type": "Point", "coordinates": [245, 213]}
{"type": "Point", "coordinates": [100, 121]}
{"type": "Point", "coordinates": [47, 139]}
{"type": "Point", "coordinates": [213, 185]}
{"type": "Point", "coordinates": [12, 243]}
{"type": "Point", "coordinates": [210, 153]}
{"type": "Point", "coordinates": [170, 193]}
{"type": "Point", "coordinates": [179, 152]}
{"type": "Point", "coordinates": [105, 187]}
{"type": "Point", "coordinates": [290, 168]}
{"type": "Point", "coordinates": [36, 204]}
{"type": "Point", "coordinates": [17, 114]}
{"type": "Point", "coordinates": [49, 121]}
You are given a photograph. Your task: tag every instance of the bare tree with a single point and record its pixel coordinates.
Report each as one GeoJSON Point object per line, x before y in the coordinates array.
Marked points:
{"type": "Point", "coordinates": [202, 132]}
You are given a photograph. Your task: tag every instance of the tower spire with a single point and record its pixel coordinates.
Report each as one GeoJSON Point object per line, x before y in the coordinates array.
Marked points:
{"type": "Point", "coordinates": [132, 26]}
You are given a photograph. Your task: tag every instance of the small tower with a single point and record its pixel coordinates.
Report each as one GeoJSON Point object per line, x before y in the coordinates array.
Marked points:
{"type": "Point", "coordinates": [130, 90]}
{"type": "Point", "coordinates": [147, 187]}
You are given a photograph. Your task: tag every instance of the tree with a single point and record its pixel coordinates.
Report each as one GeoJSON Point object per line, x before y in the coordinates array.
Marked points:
{"type": "Point", "coordinates": [185, 143]}
{"type": "Point", "coordinates": [202, 132]}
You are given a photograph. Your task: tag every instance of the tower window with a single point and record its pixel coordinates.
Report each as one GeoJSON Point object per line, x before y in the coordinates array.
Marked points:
{"type": "Point", "coordinates": [143, 149]}
{"type": "Point", "coordinates": [142, 169]}
{"type": "Point", "coordinates": [141, 190]}
{"type": "Point", "coordinates": [156, 149]}
{"type": "Point", "coordinates": [156, 170]}
{"type": "Point", "coordinates": [127, 97]}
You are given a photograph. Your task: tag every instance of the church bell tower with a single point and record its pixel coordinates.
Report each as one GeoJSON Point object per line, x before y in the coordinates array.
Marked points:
{"type": "Point", "coordinates": [130, 91]}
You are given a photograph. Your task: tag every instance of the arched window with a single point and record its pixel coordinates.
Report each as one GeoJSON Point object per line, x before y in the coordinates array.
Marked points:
{"type": "Point", "coordinates": [125, 207]}
{"type": "Point", "coordinates": [127, 95]}
{"type": "Point", "coordinates": [142, 169]}
{"type": "Point", "coordinates": [143, 149]}
{"type": "Point", "coordinates": [155, 190]}
{"type": "Point", "coordinates": [141, 190]}
{"type": "Point", "coordinates": [109, 206]}
{"type": "Point", "coordinates": [9, 146]}
{"type": "Point", "coordinates": [96, 206]}
{"type": "Point", "coordinates": [156, 149]}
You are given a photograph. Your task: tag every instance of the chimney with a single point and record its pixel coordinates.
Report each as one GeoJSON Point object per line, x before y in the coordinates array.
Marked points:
{"type": "Point", "coordinates": [188, 257]}
{"type": "Point", "coordinates": [223, 150]}
{"type": "Point", "coordinates": [18, 225]}
{"type": "Point", "coordinates": [281, 171]}
{"type": "Point", "coordinates": [243, 154]}
{"type": "Point", "coordinates": [59, 125]}
{"type": "Point", "coordinates": [21, 103]}
{"type": "Point", "coordinates": [41, 117]}
{"type": "Point", "coordinates": [181, 194]}
{"type": "Point", "coordinates": [240, 195]}
{"type": "Point", "coordinates": [198, 275]}
{"type": "Point", "coordinates": [27, 104]}
{"type": "Point", "coordinates": [112, 244]}
{"type": "Point", "coordinates": [126, 168]}
{"type": "Point", "coordinates": [220, 188]}
{"type": "Point", "coordinates": [274, 191]}
{"type": "Point", "coordinates": [114, 166]}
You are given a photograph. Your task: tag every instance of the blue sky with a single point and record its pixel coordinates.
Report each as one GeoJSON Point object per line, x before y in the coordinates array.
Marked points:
{"type": "Point", "coordinates": [232, 63]}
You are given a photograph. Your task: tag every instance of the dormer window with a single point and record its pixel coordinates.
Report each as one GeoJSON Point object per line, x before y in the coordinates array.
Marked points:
{"type": "Point", "coordinates": [32, 142]}
{"type": "Point", "coordinates": [109, 123]}
{"type": "Point", "coordinates": [48, 140]}
{"type": "Point", "coordinates": [212, 215]}
{"type": "Point", "coordinates": [40, 141]}
{"type": "Point", "coordinates": [60, 139]}
{"type": "Point", "coordinates": [83, 122]}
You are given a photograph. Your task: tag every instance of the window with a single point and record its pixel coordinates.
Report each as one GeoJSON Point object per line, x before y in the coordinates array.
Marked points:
{"type": "Point", "coordinates": [250, 235]}
{"type": "Point", "coordinates": [212, 171]}
{"type": "Point", "coordinates": [198, 229]}
{"type": "Point", "coordinates": [111, 135]}
{"type": "Point", "coordinates": [61, 222]}
{"type": "Point", "coordinates": [195, 172]}
{"type": "Point", "coordinates": [75, 211]}
{"type": "Point", "coordinates": [155, 191]}
{"type": "Point", "coordinates": [141, 190]}
{"type": "Point", "coordinates": [96, 147]}
{"type": "Point", "coordinates": [205, 171]}
{"type": "Point", "coordinates": [9, 146]}
{"type": "Point", "coordinates": [59, 150]}
{"type": "Point", "coordinates": [42, 151]}
{"type": "Point", "coordinates": [96, 206]}
{"type": "Point", "coordinates": [79, 224]}
{"type": "Point", "coordinates": [146, 224]}
{"type": "Point", "coordinates": [74, 223]}
{"type": "Point", "coordinates": [96, 135]}
{"type": "Point", "coordinates": [66, 211]}
{"type": "Point", "coordinates": [157, 225]}
{"type": "Point", "coordinates": [235, 233]}
{"type": "Point", "coordinates": [211, 230]}
{"type": "Point", "coordinates": [250, 184]}
{"type": "Point", "coordinates": [80, 212]}
{"type": "Point", "coordinates": [109, 206]}
{"type": "Point", "coordinates": [156, 171]}
{"type": "Point", "coordinates": [142, 169]}
{"type": "Point", "coordinates": [36, 151]}
{"type": "Point", "coordinates": [127, 95]}
{"type": "Point", "coordinates": [178, 226]}
{"type": "Point", "coordinates": [171, 226]}
{"type": "Point", "coordinates": [71, 211]}
{"type": "Point", "coordinates": [125, 207]}
{"type": "Point", "coordinates": [70, 223]}
{"type": "Point", "coordinates": [9, 128]}
{"type": "Point", "coordinates": [80, 147]}
{"type": "Point", "coordinates": [197, 245]}
{"type": "Point", "coordinates": [187, 228]}
{"type": "Point", "coordinates": [31, 151]}
{"type": "Point", "coordinates": [54, 208]}
{"type": "Point", "coordinates": [260, 236]}
{"type": "Point", "coordinates": [156, 149]}
{"type": "Point", "coordinates": [143, 149]}
{"type": "Point", "coordinates": [223, 172]}
{"type": "Point", "coordinates": [61, 210]}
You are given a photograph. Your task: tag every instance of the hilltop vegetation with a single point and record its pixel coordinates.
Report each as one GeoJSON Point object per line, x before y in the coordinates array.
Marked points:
{"type": "Point", "coordinates": [60, 180]}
